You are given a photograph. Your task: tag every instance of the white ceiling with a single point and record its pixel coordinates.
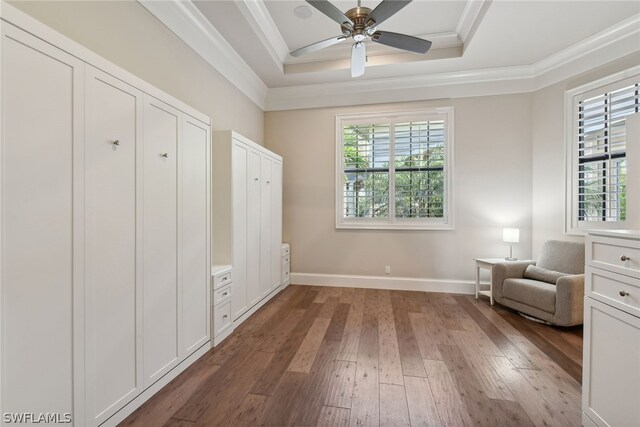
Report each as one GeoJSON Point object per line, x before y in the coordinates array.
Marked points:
{"type": "Point", "coordinates": [481, 38]}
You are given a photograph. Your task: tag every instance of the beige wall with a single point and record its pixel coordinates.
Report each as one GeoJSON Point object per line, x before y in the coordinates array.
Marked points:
{"type": "Point", "coordinates": [125, 33]}
{"type": "Point", "coordinates": [492, 176]}
{"type": "Point", "coordinates": [548, 152]}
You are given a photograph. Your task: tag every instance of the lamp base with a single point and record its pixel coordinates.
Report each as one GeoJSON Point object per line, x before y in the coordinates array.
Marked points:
{"type": "Point", "coordinates": [510, 259]}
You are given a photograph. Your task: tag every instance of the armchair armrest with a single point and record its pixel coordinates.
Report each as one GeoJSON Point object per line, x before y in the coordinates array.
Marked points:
{"type": "Point", "coordinates": [569, 300]}
{"type": "Point", "coordinates": [507, 270]}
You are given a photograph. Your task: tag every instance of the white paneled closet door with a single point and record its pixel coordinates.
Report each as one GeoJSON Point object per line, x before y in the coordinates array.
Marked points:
{"type": "Point", "coordinates": [240, 180]}
{"type": "Point", "coordinates": [276, 223]}
{"type": "Point", "coordinates": [160, 235]}
{"type": "Point", "coordinates": [265, 226]}
{"type": "Point", "coordinates": [113, 297]}
{"type": "Point", "coordinates": [253, 228]}
{"type": "Point", "coordinates": [41, 176]}
{"type": "Point", "coordinates": [194, 247]}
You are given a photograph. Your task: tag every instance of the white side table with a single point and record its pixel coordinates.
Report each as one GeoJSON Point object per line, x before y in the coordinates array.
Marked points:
{"type": "Point", "coordinates": [487, 264]}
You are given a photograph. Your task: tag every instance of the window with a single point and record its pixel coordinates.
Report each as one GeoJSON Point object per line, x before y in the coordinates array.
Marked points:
{"type": "Point", "coordinates": [393, 170]}
{"type": "Point", "coordinates": [596, 148]}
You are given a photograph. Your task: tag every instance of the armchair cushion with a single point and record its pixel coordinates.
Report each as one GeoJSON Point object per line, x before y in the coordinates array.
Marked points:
{"type": "Point", "coordinates": [542, 274]}
{"type": "Point", "coordinates": [557, 255]}
{"type": "Point", "coordinates": [534, 293]}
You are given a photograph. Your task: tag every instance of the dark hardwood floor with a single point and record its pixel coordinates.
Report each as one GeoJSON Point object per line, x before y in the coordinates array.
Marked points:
{"type": "Point", "coordinates": [344, 356]}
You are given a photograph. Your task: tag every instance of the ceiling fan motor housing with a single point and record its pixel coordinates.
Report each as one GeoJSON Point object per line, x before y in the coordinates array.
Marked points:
{"type": "Point", "coordinates": [359, 15]}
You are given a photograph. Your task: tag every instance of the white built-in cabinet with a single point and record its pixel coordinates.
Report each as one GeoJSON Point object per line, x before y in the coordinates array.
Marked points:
{"type": "Point", "coordinates": [247, 218]}
{"type": "Point", "coordinates": [105, 231]}
{"type": "Point", "coordinates": [611, 361]}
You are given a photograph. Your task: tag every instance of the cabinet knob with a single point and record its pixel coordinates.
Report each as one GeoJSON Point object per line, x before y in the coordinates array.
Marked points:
{"type": "Point", "coordinates": [165, 155]}
{"type": "Point", "coordinates": [255, 179]}
{"type": "Point", "coordinates": [224, 294]}
{"type": "Point", "coordinates": [225, 316]}
{"type": "Point", "coordinates": [268, 182]}
{"type": "Point", "coordinates": [623, 293]}
{"type": "Point", "coordinates": [116, 142]}
{"type": "Point", "coordinates": [624, 258]}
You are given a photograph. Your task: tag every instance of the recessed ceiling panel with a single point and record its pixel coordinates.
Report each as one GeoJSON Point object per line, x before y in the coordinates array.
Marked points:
{"type": "Point", "coordinates": [419, 17]}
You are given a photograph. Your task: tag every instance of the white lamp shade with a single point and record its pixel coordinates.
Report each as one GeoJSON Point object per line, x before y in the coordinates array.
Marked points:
{"type": "Point", "coordinates": [511, 235]}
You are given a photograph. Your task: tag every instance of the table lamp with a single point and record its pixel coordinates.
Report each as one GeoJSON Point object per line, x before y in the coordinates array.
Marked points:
{"type": "Point", "coordinates": [511, 236]}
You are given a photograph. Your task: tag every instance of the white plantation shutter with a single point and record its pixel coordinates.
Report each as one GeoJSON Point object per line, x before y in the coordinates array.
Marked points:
{"type": "Point", "coordinates": [393, 170]}
{"type": "Point", "coordinates": [419, 169]}
{"type": "Point", "coordinates": [366, 170]}
{"type": "Point", "coordinates": [600, 144]}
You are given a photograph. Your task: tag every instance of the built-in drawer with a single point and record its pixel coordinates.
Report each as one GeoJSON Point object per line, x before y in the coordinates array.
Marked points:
{"type": "Point", "coordinates": [221, 279]}
{"type": "Point", "coordinates": [221, 317]}
{"type": "Point", "coordinates": [285, 272]}
{"type": "Point", "coordinates": [221, 294]}
{"type": "Point", "coordinates": [285, 249]}
{"type": "Point", "coordinates": [286, 259]}
{"type": "Point", "coordinates": [618, 255]}
{"type": "Point", "coordinates": [614, 289]}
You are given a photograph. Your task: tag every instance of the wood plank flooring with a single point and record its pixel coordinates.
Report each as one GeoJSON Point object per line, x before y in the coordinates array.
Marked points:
{"type": "Point", "coordinates": [350, 357]}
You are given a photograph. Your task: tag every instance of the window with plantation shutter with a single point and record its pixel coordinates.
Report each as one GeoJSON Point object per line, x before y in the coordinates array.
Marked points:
{"type": "Point", "coordinates": [598, 152]}
{"type": "Point", "coordinates": [393, 170]}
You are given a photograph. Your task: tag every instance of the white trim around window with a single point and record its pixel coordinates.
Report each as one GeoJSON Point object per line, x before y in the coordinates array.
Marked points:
{"type": "Point", "coordinates": [389, 119]}
{"type": "Point", "coordinates": [574, 225]}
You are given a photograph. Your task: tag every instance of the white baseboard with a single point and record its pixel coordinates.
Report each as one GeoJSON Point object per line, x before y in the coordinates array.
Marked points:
{"type": "Point", "coordinates": [382, 282]}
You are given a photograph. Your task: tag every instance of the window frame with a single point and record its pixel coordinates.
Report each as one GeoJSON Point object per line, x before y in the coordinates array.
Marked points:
{"type": "Point", "coordinates": [573, 225]}
{"type": "Point", "coordinates": [393, 223]}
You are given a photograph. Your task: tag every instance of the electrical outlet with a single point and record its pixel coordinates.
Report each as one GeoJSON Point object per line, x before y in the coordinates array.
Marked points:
{"type": "Point", "coordinates": [387, 269]}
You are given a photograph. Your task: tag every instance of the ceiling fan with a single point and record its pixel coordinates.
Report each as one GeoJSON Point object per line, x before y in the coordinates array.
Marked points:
{"type": "Point", "coordinates": [360, 23]}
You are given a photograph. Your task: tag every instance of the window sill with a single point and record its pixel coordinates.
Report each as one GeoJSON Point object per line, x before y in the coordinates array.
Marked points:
{"type": "Point", "coordinates": [383, 226]}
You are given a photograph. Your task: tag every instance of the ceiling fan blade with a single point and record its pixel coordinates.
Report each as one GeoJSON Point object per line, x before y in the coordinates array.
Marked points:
{"type": "Point", "coordinates": [358, 59]}
{"type": "Point", "coordinates": [317, 46]}
{"type": "Point", "coordinates": [331, 11]}
{"type": "Point", "coordinates": [401, 41]}
{"type": "Point", "coordinates": [384, 11]}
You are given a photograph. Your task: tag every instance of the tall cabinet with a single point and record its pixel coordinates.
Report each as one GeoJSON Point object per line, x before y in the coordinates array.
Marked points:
{"type": "Point", "coordinates": [247, 218]}
{"type": "Point", "coordinates": [611, 359]}
{"type": "Point", "coordinates": [104, 227]}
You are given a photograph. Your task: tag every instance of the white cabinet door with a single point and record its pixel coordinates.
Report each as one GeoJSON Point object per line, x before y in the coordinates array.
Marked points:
{"type": "Point", "coordinates": [194, 248]}
{"type": "Point", "coordinates": [160, 290]}
{"type": "Point", "coordinates": [265, 226]}
{"type": "Point", "coordinates": [42, 92]}
{"type": "Point", "coordinates": [276, 223]}
{"type": "Point", "coordinates": [239, 183]}
{"type": "Point", "coordinates": [611, 377]}
{"type": "Point", "coordinates": [253, 228]}
{"type": "Point", "coordinates": [113, 300]}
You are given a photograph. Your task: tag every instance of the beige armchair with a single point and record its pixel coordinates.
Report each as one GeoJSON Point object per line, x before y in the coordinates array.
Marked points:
{"type": "Point", "coordinates": [551, 290]}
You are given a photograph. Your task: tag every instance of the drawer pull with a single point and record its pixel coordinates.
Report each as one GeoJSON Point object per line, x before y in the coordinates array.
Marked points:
{"type": "Point", "coordinates": [623, 293]}
{"type": "Point", "coordinates": [116, 142]}
{"type": "Point", "coordinates": [225, 278]}
{"type": "Point", "coordinates": [224, 294]}
{"type": "Point", "coordinates": [225, 316]}
{"type": "Point", "coordinates": [625, 258]}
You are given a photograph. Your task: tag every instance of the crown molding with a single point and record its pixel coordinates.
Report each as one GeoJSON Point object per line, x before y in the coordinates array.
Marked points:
{"type": "Point", "coordinates": [470, 19]}
{"type": "Point", "coordinates": [190, 25]}
{"type": "Point", "coordinates": [402, 89]}
{"type": "Point", "coordinates": [619, 40]}
{"type": "Point", "coordinates": [613, 43]}
{"type": "Point", "coordinates": [260, 20]}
